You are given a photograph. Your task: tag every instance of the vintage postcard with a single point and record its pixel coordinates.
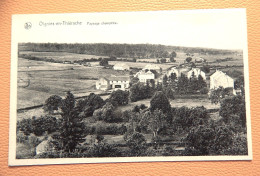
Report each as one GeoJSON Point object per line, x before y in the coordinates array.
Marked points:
{"type": "Point", "coordinates": [129, 87]}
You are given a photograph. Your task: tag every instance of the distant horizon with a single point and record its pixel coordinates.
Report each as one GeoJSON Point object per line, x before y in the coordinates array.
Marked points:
{"type": "Point", "coordinates": [196, 47]}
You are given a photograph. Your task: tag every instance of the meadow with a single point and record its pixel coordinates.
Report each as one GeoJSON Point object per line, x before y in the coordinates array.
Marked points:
{"type": "Point", "coordinates": [38, 80]}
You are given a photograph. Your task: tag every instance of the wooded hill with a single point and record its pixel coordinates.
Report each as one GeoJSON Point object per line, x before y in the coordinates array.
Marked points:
{"type": "Point", "coordinates": [121, 50]}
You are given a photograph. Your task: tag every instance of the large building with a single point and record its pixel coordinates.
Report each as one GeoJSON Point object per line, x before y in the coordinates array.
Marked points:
{"type": "Point", "coordinates": [220, 79]}
{"type": "Point", "coordinates": [113, 82]}
{"type": "Point", "coordinates": [145, 76]}
{"type": "Point", "coordinates": [121, 66]}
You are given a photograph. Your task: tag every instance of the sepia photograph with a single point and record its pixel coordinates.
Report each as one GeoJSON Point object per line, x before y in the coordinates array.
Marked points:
{"type": "Point", "coordinates": [129, 87]}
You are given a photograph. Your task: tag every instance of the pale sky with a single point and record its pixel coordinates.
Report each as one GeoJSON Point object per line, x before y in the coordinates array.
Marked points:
{"type": "Point", "coordinates": [223, 29]}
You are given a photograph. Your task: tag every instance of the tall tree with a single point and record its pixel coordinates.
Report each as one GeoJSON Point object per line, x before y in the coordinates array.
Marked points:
{"type": "Point", "coordinates": [161, 102]}
{"type": "Point", "coordinates": [172, 56]}
{"type": "Point", "coordinates": [188, 59]}
{"type": "Point", "coordinates": [71, 132]}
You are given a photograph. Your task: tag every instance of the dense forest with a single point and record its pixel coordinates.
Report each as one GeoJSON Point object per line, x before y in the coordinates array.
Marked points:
{"type": "Point", "coordinates": [120, 50]}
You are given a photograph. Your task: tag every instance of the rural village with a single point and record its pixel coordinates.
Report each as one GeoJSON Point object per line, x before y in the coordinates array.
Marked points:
{"type": "Point", "coordinates": [122, 100]}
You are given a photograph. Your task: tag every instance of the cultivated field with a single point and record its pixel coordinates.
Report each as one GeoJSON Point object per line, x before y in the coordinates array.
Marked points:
{"type": "Point", "coordinates": [38, 80]}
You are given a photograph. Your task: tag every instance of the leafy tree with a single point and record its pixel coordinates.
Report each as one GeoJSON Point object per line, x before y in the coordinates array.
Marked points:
{"type": "Point", "coordinates": [210, 140]}
{"type": "Point", "coordinates": [52, 103]}
{"type": "Point", "coordinates": [234, 105]}
{"type": "Point", "coordinates": [205, 68]}
{"type": "Point", "coordinates": [172, 59]}
{"type": "Point", "coordinates": [140, 91]}
{"type": "Point", "coordinates": [88, 105]}
{"type": "Point", "coordinates": [200, 140]}
{"type": "Point", "coordinates": [103, 62]}
{"type": "Point", "coordinates": [119, 97]}
{"type": "Point", "coordinates": [161, 102]}
{"type": "Point", "coordinates": [190, 117]}
{"type": "Point", "coordinates": [163, 60]}
{"type": "Point", "coordinates": [188, 59]}
{"type": "Point", "coordinates": [201, 83]}
{"type": "Point", "coordinates": [172, 56]}
{"type": "Point", "coordinates": [154, 121]}
{"type": "Point", "coordinates": [71, 132]}
{"type": "Point", "coordinates": [165, 80]}
{"type": "Point", "coordinates": [183, 84]}
{"type": "Point", "coordinates": [137, 144]}
{"type": "Point", "coordinates": [172, 77]}
{"type": "Point", "coordinates": [218, 94]}
{"type": "Point", "coordinates": [108, 113]}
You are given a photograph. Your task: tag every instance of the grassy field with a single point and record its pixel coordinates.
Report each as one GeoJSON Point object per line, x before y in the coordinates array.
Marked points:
{"type": "Point", "coordinates": [37, 80]}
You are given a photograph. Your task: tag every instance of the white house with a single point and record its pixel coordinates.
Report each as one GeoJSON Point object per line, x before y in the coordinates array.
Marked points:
{"type": "Point", "coordinates": [121, 66]}
{"type": "Point", "coordinates": [196, 72]}
{"type": "Point", "coordinates": [220, 79]}
{"type": "Point", "coordinates": [113, 82]}
{"type": "Point", "coordinates": [145, 76]}
{"type": "Point", "coordinates": [119, 82]}
{"type": "Point", "coordinates": [153, 67]}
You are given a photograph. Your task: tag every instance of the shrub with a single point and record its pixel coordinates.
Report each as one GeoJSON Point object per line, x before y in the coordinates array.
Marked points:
{"type": "Point", "coordinates": [110, 129]}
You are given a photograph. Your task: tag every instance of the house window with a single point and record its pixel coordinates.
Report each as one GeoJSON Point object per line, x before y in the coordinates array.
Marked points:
{"type": "Point", "coordinates": [117, 86]}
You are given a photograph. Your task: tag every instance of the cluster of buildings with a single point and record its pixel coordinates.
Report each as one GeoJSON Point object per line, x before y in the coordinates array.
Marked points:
{"type": "Point", "coordinates": [151, 72]}
{"type": "Point", "coordinates": [123, 82]}
{"type": "Point", "coordinates": [186, 71]}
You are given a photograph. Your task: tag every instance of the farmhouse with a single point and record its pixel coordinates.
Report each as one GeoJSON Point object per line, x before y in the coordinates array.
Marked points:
{"type": "Point", "coordinates": [220, 79]}
{"type": "Point", "coordinates": [119, 82]}
{"type": "Point", "coordinates": [145, 76]}
{"type": "Point", "coordinates": [113, 82]}
{"type": "Point", "coordinates": [196, 72]}
{"type": "Point", "coordinates": [121, 66]}
{"type": "Point", "coordinates": [153, 67]}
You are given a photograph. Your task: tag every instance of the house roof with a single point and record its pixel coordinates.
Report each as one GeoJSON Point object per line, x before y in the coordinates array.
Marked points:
{"type": "Point", "coordinates": [219, 73]}
{"type": "Point", "coordinates": [119, 78]}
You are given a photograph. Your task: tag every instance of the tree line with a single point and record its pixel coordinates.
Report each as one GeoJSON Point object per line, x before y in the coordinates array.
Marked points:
{"type": "Point", "coordinates": [119, 50]}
